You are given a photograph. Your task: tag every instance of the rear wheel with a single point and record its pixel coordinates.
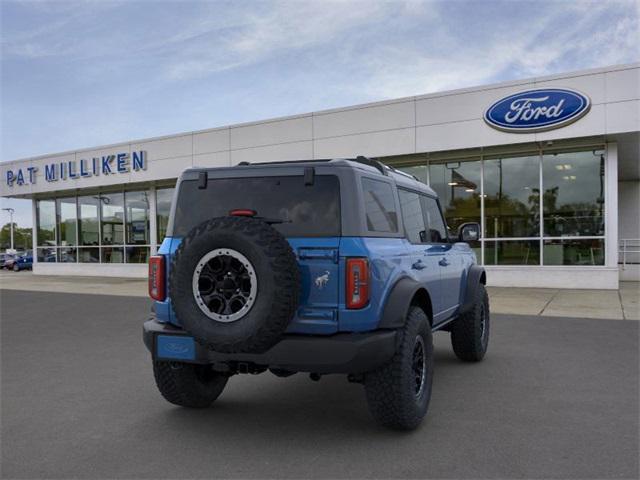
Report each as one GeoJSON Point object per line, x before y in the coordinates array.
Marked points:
{"type": "Point", "coordinates": [398, 394]}
{"type": "Point", "coordinates": [470, 331]}
{"type": "Point", "coordinates": [188, 385]}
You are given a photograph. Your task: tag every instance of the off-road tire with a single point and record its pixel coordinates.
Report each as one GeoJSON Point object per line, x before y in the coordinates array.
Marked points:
{"type": "Point", "coordinates": [188, 385]}
{"type": "Point", "coordinates": [278, 280]}
{"type": "Point", "coordinates": [390, 390]}
{"type": "Point", "coordinates": [468, 337]}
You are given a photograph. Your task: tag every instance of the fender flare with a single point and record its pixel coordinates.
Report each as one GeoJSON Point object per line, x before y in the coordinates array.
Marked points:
{"type": "Point", "coordinates": [475, 277]}
{"type": "Point", "coordinates": [395, 310]}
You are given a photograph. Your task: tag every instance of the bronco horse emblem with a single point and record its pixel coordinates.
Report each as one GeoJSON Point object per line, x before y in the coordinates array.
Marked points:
{"type": "Point", "coordinates": [322, 280]}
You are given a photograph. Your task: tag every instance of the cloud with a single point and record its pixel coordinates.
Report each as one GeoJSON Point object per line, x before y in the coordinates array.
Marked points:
{"type": "Point", "coordinates": [558, 39]}
{"type": "Point", "coordinates": [259, 36]}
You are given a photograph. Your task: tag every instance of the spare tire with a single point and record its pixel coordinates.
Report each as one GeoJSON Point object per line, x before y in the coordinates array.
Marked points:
{"type": "Point", "coordinates": [234, 284]}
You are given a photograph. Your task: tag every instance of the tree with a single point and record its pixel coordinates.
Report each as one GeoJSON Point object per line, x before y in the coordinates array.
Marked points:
{"type": "Point", "coordinates": [22, 237]}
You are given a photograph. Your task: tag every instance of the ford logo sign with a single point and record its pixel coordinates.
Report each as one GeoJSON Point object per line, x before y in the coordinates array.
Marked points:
{"type": "Point", "coordinates": [175, 347]}
{"type": "Point", "coordinates": [537, 110]}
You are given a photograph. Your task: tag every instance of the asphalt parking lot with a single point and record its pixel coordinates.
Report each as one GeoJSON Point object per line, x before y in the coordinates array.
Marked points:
{"type": "Point", "coordinates": [555, 397]}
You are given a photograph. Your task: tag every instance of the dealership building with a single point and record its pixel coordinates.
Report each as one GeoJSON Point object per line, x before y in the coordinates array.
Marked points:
{"type": "Point", "coordinates": [549, 166]}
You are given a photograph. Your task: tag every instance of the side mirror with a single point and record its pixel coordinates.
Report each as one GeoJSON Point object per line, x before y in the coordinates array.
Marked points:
{"type": "Point", "coordinates": [469, 232]}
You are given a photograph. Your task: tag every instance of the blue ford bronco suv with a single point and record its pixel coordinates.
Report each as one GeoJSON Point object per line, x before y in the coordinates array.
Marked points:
{"type": "Point", "coordinates": [328, 266]}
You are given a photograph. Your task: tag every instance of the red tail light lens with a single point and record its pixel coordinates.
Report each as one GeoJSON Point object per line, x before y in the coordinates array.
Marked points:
{"type": "Point", "coordinates": [242, 212]}
{"type": "Point", "coordinates": [357, 282]}
{"type": "Point", "coordinates": [156, 278]}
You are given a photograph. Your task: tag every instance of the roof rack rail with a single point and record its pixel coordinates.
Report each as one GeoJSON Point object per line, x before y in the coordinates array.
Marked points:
{"type": "Point", "coordinates": [372, 162]}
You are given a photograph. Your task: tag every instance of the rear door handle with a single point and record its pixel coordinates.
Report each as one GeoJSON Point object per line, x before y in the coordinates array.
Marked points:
{"type": "Point", "coordinates": [418, 265]}
{"type": "Point", "coordinates": [443, 262]}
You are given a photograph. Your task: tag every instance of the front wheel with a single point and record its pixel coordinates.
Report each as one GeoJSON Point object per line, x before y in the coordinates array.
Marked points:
{"type": "Point", "coordinates": [398, 394]}
{"type": "Point", "coordinates": [188, 385]}
{"type": "Point", "coordinates": [470, 331]}
{"type": "Point", "coordinates": [16, 268]}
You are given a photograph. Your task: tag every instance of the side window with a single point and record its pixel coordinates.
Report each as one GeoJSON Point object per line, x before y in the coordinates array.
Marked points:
{"type": "Point", "coordinates": [412, 216]}
{"type": "Point", "coordinates": [436, 228]}
{"type": "Point", "coordinates": [380, 206]}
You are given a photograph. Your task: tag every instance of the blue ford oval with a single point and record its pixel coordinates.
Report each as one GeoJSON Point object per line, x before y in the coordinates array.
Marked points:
{"type": "Point", "coordinates": [537, 110]}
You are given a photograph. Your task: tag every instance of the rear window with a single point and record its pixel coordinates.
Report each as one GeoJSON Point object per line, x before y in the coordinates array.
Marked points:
{"type": "Point", "coordinates": [307, 210]}
{"type": "Point", "coordinates": [380, 206]}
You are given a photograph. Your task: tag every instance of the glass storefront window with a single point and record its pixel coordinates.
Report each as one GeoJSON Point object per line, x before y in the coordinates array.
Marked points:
{"type": "Point", "coordinates": [46, 218]}
{"type": "Point", "coordinates": [574, 252]}
{"type": "Point", "coordinates": [512, 197]}
{"type": "Point", "coordinates": [458, 187]}
{"type": "Point", "coordinates": [137, 254]}
{"type": "Point", "coordinates": [573, 198]}
{"type": "Point", "coordinates": [137, 218]}
{"type": "Point", "coordinates": [89, 255]}
{"type": "Point", "coordinates": [112, 255]}
{"type": "Point", "coordinates": [112, 218]}
{"type": "Point", "coordinates": [67, 255]}
{"type": "Point", "coordinates": [88, 226]}
{"type": "Point", "coordinates": [512, 252]}
{"type": "Point", "coordinates": [420, 171]}
{"type": "Point", "coordinates": [46, 255]}
{"type": "Point", "coordinates": [163, 208]}
{"type": "Point", "coordinates": [67, 221]}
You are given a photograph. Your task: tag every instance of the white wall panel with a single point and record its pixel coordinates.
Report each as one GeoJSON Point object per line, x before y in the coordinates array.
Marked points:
{"type": "Point", "coordinates": [623, 116]}
{"type": "Point", "coordinates": [179, 146]}
{"type": "Point", "coordinates": [163, 169]}
{"type": "Point", "coordinates": [592, 85]}
{"type": "Point", "coordinates": [92, 269]}
{"type": "Point", "coordinates": [392, 142]}
{"type": "Point", "coordinates": [271, 133]}
{"type": "Point", "coordinates": [462, 107]}
{"type": "Point", "coordinates": [623, 85]}
{"type": "Point", "coordinates": [211, 141]}
{"type": "Point", "coordinates": [215, 159]}
{"type": "Point", "coordinates": [593, 123]}
{"type": "Point", "coordinates": [469, 134]}
{"type": "Point", "coordinates": [286, 151]}
{"type": "Point", "coordinates": [553, 277]}
{"type": "Point", "coordinates": [361, 120]}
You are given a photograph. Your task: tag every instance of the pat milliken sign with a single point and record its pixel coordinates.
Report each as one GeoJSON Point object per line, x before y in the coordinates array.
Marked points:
{"type": "Point", "coordinates": [537, 110]}
{"type": "Point", "coordinates": [115, 164]}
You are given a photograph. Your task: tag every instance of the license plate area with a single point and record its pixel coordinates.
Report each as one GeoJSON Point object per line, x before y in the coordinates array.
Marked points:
{"type": "Point", "coordinates": [174, 347]}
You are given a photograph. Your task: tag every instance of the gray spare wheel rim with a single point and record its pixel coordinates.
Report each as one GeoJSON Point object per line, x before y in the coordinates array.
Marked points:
{"type": "Point", "coordinates": [224, 285]}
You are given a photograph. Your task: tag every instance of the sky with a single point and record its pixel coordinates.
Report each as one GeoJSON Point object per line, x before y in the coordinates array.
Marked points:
{"type": "Point", "coordinates": [87, 73]}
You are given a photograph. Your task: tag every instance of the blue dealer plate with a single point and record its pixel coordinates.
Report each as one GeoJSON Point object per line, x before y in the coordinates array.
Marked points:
{"type": "Point", "coordinates": [177, 347]}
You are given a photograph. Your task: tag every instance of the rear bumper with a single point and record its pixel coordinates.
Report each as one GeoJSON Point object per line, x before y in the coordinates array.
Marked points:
{"type": "Point", "coordinates": [339, 353]}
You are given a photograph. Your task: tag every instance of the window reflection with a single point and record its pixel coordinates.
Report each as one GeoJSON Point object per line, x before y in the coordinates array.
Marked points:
{"type": "Point", "coordinates": [112, 212]}
{"type": "Point", "coordinates": [574, 252]}
{"type": "Point", "coordinates": [89, 255]}
{"type": "Point", "coordinates": [458, 187]}
{"type": "Point", "coordinates": [163, 208]}
{"type": "Point", "coordinates": [137, 217]}
{"type": "Point", "coordinates": [88, 220]}
{"type": "Point", "coordinates": [67, 212]}
{"type": "Point", "coordinates": [112, 255]}
{"type": "Point", "coordinates": [512, 252]}
{"type": "Point", "coordinates": [573, 198]}
{"type": "Point", "coordinates": [512, 197]}
{"type": "Point", "coordinates": [46, 218]}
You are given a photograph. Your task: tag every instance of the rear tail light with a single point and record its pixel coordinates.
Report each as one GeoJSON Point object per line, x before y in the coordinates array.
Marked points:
{"type": "Point", "coordinates": [156, 278]}
{"type": "Point", "coordinates": [242, 212]}
{"type": "Point", "coordinates": [357, 282]}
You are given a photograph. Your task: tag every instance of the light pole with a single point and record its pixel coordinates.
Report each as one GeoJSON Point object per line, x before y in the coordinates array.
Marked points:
{"type": "Point", "coordinates": [11, 211]}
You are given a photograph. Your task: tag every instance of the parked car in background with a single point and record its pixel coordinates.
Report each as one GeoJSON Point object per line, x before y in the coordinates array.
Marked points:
{"type": "Point", "coordinates": [3, 258]}
{"type": "Point", "coordinates": [7, 261]}
{"type": "Point", "coordinates": [23, 262]}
